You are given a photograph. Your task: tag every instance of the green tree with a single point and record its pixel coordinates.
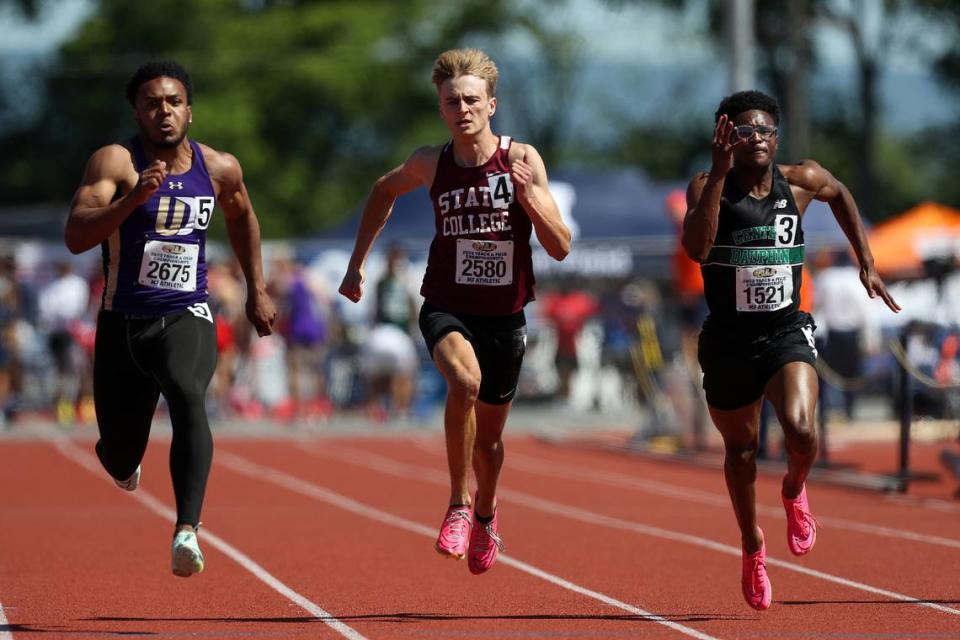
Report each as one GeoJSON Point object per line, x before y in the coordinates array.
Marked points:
{"type": "Point", "coordinates": [851, 141]}
{"type": "Point", "coordinates": [316, 99]}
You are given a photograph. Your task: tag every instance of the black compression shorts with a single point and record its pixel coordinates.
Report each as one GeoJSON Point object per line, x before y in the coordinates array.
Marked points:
{"type": "Point", "coordinates": [498, 341]}
{"type": "Point", "coordinates": [736, 369]}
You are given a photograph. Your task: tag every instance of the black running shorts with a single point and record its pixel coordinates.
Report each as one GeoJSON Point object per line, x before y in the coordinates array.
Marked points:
{"type": "Point", "coordinates": [736, 369]}
{"type": "Point", "coordinates": [498, 341]}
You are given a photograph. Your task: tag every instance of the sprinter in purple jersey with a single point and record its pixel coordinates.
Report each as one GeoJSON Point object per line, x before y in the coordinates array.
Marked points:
{"type": "Point", "coordinates": [148, 202]}
{"type": "Point", "coordinates": [488, 194]}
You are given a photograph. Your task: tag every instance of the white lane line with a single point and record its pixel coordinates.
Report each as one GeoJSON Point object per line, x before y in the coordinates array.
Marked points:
{"type": "Point", "coordinates": [522, 462]}
{"type": "Point", "coordinates": [4, 633]}
{"type": "Point", "coordinates": [534, 465]}
{"type": "Point", "coordinates": [91, 464]}
{"type": "Point", "coordinates": [297, 485]}
{"type": "Point", "coordinates": [388, 465]}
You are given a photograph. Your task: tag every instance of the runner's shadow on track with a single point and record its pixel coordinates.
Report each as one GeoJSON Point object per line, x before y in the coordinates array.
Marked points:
{"type": "Point", "coordinates": [68, 631]}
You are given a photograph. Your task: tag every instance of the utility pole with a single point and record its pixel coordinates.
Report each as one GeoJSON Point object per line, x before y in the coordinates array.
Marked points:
{"type": "Point", "coordinates": [740, 40]}
{"type": "Point", "coordinates": [797, 81]}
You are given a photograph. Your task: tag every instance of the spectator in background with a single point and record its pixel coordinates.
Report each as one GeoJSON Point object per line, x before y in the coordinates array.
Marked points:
{"type": "Point", "coordinates": [691, 308]}
{"type": "Point", "coordinates": [226, 303]}
{"type": "Point", "coordinates": [63, 305]}
{"type": "Point", "coordinates": [950, 458]}
{"type": "Point", "coordinates": [842, 314]}
{"type": "Point", "coordinates": [388, 358]}
{"type": "Point", "coordinates": [947, 372]}
{"type": "Point", "coordinates": [568, 311]}
{"type": "Point", "coordinates": [687, 279]}
{"type": "Point", "coordinates": [9, 311]}
{"type": "Point", "coordinates": [394, 303]}
{"type": "Point", "coordinates": [303, 326]}
{"type": "Point", "coordinates": [388, 363]}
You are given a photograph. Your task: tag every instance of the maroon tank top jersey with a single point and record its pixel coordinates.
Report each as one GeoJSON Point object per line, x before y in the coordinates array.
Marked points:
{"type": "Point", "coordinates": [480, 261]}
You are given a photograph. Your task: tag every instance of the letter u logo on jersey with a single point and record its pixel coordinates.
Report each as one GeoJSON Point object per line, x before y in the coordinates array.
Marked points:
{"type": "Point", "coordinates": [184, 216]}
{"type": "Point", "coordinates": [171, 223]}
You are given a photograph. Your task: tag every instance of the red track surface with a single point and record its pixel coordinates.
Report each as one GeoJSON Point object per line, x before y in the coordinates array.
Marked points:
{"type": "Point", "coordinates": [599, 545]}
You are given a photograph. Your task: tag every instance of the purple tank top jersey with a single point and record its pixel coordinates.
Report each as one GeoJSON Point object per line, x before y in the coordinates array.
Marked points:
{"type": "Point", "coordinates": [154, 263]}
{"type": "Point", "coordinates": [480, 261]}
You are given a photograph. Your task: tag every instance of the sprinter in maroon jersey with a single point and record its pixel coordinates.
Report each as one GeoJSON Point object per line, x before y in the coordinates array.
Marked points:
{"type": "Point", "coordinates": [488, 193]}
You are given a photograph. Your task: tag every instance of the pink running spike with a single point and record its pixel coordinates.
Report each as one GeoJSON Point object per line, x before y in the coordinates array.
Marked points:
{"type": "Point", "coordinates": [454, 533]}
{"type": "Point", "coordinates": [484, 545]}
{"type": "Point", "coordinates": [801, 525]}
{"type": "Point", "coordinates": [757, 590]}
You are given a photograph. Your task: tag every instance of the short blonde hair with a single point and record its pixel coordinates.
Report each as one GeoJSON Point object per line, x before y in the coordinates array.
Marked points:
{"type": "Point", "coordinates": [454, 63]}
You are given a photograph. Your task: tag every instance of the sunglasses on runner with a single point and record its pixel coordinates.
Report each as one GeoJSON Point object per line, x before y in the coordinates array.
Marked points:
{"type": "Point", "coordinates": [746, 131]}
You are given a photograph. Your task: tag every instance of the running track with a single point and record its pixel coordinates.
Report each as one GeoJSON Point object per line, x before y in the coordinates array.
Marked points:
{"type": "Point", "coordinates": [332, 537]}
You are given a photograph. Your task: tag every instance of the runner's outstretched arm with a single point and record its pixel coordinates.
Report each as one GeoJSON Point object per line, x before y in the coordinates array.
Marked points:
{"type": "Point", "coordinates": [400, 180]}
{"type": "Point", "coordinates": [243, 228]}
{"type": "Point", "coordinates": [827, 188]}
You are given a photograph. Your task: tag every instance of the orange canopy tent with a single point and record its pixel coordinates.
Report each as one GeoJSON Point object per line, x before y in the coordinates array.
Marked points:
{"type": "Point", "coordinates": [900, 245]}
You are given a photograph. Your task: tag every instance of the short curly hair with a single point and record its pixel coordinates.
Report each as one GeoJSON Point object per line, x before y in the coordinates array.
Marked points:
{"type": "Point", "coordinates": [461, 62]}
{"type": "Point", "coordinates": [735, 104]}
{"type": "Point", "coordinates": [157, 69]}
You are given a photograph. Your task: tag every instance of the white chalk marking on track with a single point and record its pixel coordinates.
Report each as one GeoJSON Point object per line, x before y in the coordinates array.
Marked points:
{"type": "Point", "coordinates": [384, 464]}
{"type": "Point", "coordinates": [297, 485]}
{"type": "Point", "coordinates": [88, 462]}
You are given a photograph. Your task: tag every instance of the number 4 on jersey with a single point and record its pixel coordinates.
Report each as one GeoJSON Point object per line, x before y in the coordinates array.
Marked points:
{"type": "Point", "coordinates": [501, 190]}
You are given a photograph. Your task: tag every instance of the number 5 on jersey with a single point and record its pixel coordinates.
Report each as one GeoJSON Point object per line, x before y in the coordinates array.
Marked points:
{"type": "Point", "coordinates": [501, 190]}
{"type": "Point", "coordinates": [188, 213]}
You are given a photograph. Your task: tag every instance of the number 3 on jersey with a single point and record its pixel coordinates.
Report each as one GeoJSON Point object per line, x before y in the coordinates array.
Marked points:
{"type": "Point", "coordinates": [786, 230]}
{"type": "Point", "coordinates": [501, 190]}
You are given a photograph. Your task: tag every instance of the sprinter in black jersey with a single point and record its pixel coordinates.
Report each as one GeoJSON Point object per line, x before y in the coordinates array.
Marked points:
{"type": "Point", "coordinates": [744, 226]}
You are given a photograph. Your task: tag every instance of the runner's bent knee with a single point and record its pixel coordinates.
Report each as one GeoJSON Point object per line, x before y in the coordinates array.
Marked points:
{"type": "Point", "coordinates": [799, 430]}
{"type": "Point", "coordinates": [464, 384]}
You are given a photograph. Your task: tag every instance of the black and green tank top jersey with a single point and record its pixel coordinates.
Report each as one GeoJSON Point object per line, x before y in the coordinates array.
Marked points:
{"type": "Point", "coordinates": [753, 272]}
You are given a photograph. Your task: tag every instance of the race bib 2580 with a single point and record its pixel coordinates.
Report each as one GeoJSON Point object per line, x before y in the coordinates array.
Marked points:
{"type": "Point", "coordinates": [484, 262]}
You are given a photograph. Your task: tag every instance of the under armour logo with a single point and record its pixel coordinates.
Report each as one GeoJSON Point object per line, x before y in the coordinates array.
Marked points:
{"type": "Point", "coordinates": [176, 185]}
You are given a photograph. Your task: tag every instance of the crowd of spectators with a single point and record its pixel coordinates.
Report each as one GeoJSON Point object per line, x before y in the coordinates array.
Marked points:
{"type": "Point", "coordinates": [327, 356]}
{"type": "Point", "coordinates": [604, 344]}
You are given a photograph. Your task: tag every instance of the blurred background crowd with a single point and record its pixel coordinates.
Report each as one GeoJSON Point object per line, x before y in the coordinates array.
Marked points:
{"type": "Point", "coordinates": [616, 341]}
